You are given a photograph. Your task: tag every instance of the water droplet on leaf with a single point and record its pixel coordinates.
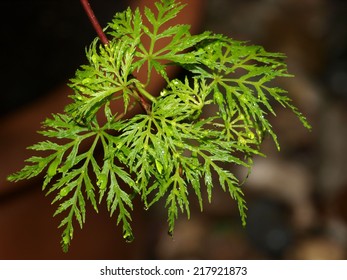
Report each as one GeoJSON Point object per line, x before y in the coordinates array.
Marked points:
{"type": "Point", "coordinates": [66, 239]}
{"type": "Point", "coordinates": [86, 81]}
{"type": "Point", "coordinates": [128, 237]}
{"type": "Point", "coordinates": [52, 170]}
{"type": "Point", "coordinates": [250, 135]}
{"type": "Point", "coordinates": [159, 166]}
{"type": "Point", "coordinates": [243, 98]}
{"type": "Point", "coordinates": [94, 58]}
{"type": "Point", "coordinates": [163, 92]}
{"type": "Point", "coordinates": [242, 140]}
{"type": "Point", "coordinates": [64, 191]}
{"type": "Point", "coordinates": [102, 181]}
{"type": "Point", "coordinates": [175, 82]}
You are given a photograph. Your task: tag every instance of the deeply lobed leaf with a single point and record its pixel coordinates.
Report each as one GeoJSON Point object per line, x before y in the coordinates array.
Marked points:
{"type": "Point", "coordinates": [187, 141]}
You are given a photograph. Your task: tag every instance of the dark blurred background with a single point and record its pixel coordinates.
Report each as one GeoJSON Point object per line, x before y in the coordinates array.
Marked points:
{"type": "Point", "coordinates": [296, 197]}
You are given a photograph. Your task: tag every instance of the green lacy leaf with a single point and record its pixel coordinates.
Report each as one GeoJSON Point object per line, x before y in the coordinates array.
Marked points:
{"type": "Point", "coordinates": [186, 143]}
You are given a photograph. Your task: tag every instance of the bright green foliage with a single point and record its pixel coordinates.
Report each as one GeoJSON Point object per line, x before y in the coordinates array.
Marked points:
{"type": "Point", "coordinates": [187, 140]}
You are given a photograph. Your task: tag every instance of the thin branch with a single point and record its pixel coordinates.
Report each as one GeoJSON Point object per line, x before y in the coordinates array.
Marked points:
{"type": "Point", "coordinates": [140, 98]}
{"type": "Point", "coordinates": [94, 21]}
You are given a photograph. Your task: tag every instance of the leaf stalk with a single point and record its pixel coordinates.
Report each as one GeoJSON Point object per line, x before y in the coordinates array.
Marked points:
{"type": "Point", "coordinates": [94, 21]}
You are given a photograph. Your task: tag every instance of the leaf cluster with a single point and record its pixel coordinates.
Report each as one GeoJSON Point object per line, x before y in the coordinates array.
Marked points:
{"type": "Point", "coordinates": [186, 140]}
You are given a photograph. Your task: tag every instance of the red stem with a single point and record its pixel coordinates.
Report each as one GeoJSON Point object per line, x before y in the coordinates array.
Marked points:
{"type": "Point", "coordinates": [94, 21]}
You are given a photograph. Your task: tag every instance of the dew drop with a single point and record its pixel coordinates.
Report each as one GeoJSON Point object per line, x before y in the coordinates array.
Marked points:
{"type": "Point", "coordinates": [175, 82]}
{"type": "Point", "coordinates": [81, 89]}
{"type": "Point", "coordinates": [86, 81]}
{"type": "Point", "coordinates": [242, 141]}
{"type": "Point", "coordinates": [243, 98]}
{"type": "Point", "coordinates": [66, 239]}
{"type": "Point", "coordinates": [129, 238]}
{"type": "Point", "coordinates": [189, 57]}
{"type": "Point", "coordinates": [159, 166]}
{"type": "Point", "coordinates": [64, 191]}
{"type": "Point", "coordinates": [163, 92]}
{"type": "Point", "coordinates": [102, 181]}
{"type": "Point", "coordinates": [250, 135]}
{"type": "Point", "coordinates": [94, 58]}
